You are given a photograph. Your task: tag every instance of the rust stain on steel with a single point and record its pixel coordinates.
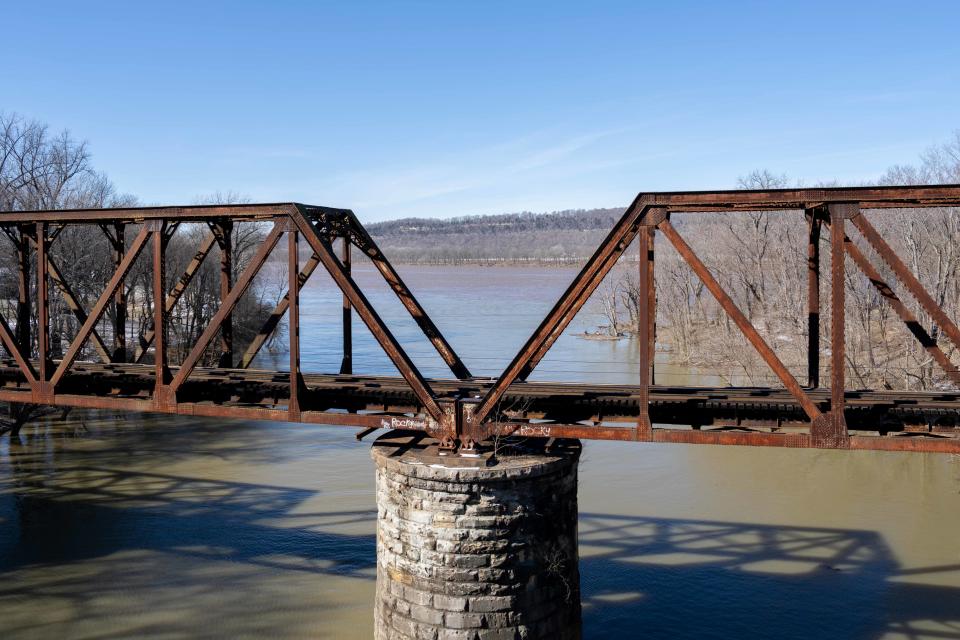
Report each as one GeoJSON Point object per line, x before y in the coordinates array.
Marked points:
{"type": "Point", "coordinates": [467, 410]}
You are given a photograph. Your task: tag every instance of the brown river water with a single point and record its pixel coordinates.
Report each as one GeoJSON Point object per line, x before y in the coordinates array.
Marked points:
{"type": "Point", "coordinates": [124, 526]}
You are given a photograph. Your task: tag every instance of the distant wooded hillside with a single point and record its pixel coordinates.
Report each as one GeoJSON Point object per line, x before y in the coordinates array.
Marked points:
{"type": "Point", "coordinates": [560, 237]}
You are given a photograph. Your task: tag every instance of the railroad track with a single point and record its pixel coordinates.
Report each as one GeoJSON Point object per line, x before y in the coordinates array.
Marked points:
{"type": "Point", "coordinates": [337, 396]}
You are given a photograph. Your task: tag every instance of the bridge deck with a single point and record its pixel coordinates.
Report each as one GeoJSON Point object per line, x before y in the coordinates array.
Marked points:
{"type": "Point", "coordinates": [734, 415]}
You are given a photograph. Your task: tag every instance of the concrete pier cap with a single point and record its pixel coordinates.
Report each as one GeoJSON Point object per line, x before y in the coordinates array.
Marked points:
{"type": "Point", "coordinates": [478, 548]}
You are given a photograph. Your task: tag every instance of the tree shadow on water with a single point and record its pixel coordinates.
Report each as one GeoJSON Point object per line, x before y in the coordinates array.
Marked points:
{"type": "Point", "coordinates": [663, 578]}
{"type": "Point", "coordinates": [91, 512]}
{"type": "Point", "coordinates": [133, 553]}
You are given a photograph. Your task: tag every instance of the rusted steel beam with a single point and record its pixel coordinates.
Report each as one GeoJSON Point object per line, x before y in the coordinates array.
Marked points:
{"type": "Point", "coordinates": [734, 438]}
{"type": "Point", "coordinates": [171, 299]}
{"type": "Point", "coordinates": [779, 199]}
{"type": "Point", "coordinates": [23, 291]}
{"type": "Point", "coordinates": [728, 305]}
{"type": "Point", "coordinates": [364, 433]}
{"type": "Point", "coordinates": [270, 324]}
{"type": "Point", "coordinates": [162, 397]}
{"type": "Point", "coordinates": [652, 301]}
{"type": "Point", "coordinates": [566, 307]}
{"type": "Point", "coordinates": [768, 199]}
{"type": "Point", "coordinates": [120, 300]}
{"type": "Point", "coordinates": [750, 410]}
{"type": "Point", "coordinates": [346, 364]}
{"type": "Point", "coordinates": [10, 343]}
{"type": "Point", "coordinates": [54, 273]}
{"type": "Point", "coordinates": [54, 230]}
{"type": "Point", "coordinates": [115, 237]}
{"type": "Point", "coordinates": [77, 309]}
{"type": "Point", "coordinates": [378, 329]}
{"type": "Point", "coordinates": [814, 222]}
{"type": "Point", "coordinates": [84, 332]}
{"type": "Point", "coordinates": [223, 232]}
{"type": "Point", "coordinates": [912, 323]}
{"type": "Point", "coordinates": [904, 442]}
{"type": "Point", "coordinates": [646, 317]}
{"type": "Point", "coordinates": [293, 293]}
{"type": "Point", "coordinates": [607, 256]}
{"type": "Point", "coordinates": [910, 281]}
{"type": "Point", "coordinates": [831, 430]}
{"type": "Point", "coordinates": [195, 213]}
{"type": "Point", "coordinates": [366, 244]}
{"type": "Point", "coordinates": [43, 303]}
{"type": "Point", "coordinates": [227, 306]}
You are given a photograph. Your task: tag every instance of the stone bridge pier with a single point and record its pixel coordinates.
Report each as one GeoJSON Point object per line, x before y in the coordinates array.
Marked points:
{"type": "Point", "coordinates": [478, 548]}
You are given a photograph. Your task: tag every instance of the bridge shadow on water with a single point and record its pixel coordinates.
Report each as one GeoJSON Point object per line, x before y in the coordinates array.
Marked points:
{"type": "Point", "coordinates": [662, 578]}
{"type": "Point", "coordinates": [85, 533]}
{"type": "Point", "coordinates": [99, 542]}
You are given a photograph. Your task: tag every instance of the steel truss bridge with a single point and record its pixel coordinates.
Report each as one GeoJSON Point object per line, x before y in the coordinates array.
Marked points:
{"type": "Point", "coordinates": [464, 411]}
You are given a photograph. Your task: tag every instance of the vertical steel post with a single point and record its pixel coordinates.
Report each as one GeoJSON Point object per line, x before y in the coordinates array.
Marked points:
{"type": "Point", "coordinates": [43, 305]}
{"type": "Point", "coordinates": [653, 305]}
{"type": "Point", "coordinates": [120, 298]}
{"type": "Point", "coordinates": [814, 223]}
{"type": "Point", "coordinates": [225, 239]}
{"type": "Point", "coordinates": [839, 213]}
{"type": "Point", "coordinates": [293, 274]}
{"type": "Point", "coordinates": [162, 370]}
{"type": "Point", "coordinates": [23, 293]}
{"type": "Point", "coordinates": [646, 313]}
{"type": "Point", "coordinates": [346, 365]}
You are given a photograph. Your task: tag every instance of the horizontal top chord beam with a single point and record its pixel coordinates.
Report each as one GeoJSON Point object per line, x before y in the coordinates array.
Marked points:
{"type": "Point", "coordinates": [880, 197]}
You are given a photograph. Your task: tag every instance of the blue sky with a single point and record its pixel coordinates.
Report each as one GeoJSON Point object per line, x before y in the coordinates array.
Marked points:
{"type": "Point", "coordinates": [454, 108]}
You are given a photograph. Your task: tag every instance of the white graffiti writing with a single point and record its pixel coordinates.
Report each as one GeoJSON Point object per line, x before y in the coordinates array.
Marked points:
{"type": "Point", "coordinates": [402, 423]}
{"type": "Point", "coordinates": [535, 431]}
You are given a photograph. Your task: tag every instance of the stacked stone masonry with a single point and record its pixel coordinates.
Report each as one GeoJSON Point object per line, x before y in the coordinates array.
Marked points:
{"type": "Point", "coordinates": [485, 553]}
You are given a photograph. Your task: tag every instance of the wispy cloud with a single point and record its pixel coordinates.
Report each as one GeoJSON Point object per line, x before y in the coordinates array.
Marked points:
{"type": "Point", "coordinates": [538, 153]}
{"type": "Point", "coordinates": [563, 149]}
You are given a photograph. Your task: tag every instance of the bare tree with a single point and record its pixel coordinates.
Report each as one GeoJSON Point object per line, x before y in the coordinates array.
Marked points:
{"type": "Point", "coordinates": [43, 170]}
{"type": "Point", "coordinates": [760, 259]}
